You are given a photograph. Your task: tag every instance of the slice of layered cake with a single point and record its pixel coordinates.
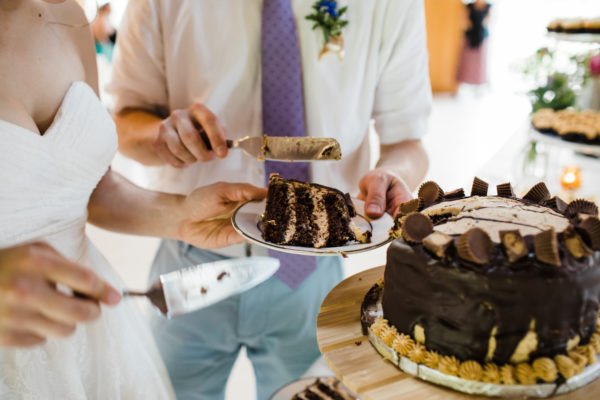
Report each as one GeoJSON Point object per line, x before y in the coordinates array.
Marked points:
{"type": "Point", "coordinates": [309, 215]}
{"type": "Point", "coordinates": [325, 389]}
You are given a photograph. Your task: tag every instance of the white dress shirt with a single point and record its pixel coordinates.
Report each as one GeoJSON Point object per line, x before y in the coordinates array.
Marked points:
{"type": "Point", "coordinates": [171, 53]}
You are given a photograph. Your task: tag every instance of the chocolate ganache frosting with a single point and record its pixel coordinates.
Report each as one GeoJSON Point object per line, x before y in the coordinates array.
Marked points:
{"type": "Point", "coordinates": [494, 278]}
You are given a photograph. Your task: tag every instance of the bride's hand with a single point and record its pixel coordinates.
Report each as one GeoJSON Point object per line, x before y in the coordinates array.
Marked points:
{"type": "Point", "coordinates": [206, 214]}
{"type": "Point", "coordinates": [32, 309]}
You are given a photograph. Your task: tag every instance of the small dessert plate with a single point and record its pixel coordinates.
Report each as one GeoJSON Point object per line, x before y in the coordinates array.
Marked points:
{"type": "Point", "coordinates": [246, 221]}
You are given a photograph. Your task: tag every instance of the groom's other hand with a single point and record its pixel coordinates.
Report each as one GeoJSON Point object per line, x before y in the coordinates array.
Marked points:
{"type": "Point", "coordinates": [179, 141]}
{"type": "Point", "coordinates": [32, 309]}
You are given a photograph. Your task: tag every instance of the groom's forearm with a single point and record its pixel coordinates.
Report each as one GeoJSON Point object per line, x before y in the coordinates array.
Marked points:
{"type": "Point", "coordinates": [138, 130]}
{"type": "Point", "coordinates": [118, 205]}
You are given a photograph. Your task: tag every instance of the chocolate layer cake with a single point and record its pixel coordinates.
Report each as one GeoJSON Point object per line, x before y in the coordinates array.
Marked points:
{"type": "Point", "coordinates": [309, 215]}
{"type": "Point", "coordinates": [492, 282]}
{"type": "Point", "coordinates": [325, 389]}
{"type": "Point", "coordinates": [569, 125]}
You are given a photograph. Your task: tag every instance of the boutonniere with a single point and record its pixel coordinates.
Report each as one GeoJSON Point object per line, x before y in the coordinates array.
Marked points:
{"type": "Point", "coordinates": [328, 17]}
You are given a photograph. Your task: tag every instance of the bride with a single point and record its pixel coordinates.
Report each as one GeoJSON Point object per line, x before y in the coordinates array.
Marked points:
{"type": "Point", "coordinates": [56, 144]}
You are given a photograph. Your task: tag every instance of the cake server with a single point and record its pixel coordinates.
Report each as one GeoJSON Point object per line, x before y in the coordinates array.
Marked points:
{"type": "Point", "coordinates": [190, 289]}
{"type": "Point", "coordinates": [285, 148]}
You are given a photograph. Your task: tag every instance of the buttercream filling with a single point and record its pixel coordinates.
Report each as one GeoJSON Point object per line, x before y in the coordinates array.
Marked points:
{"type": "Point", "coordinates": [320, 218]}
{"type": "Point", "coordinates": [290, 231]}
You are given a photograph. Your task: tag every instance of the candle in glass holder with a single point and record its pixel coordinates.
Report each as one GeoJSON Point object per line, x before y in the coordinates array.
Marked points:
{"type": "Point", "coordinates": [571, 178]}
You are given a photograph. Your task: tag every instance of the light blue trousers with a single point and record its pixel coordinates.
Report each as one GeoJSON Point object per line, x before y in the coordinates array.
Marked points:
{"type": "Point", "coordinates": [275, 323]}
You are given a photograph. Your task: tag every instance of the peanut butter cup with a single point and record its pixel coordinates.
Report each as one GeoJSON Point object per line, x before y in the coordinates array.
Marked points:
{"type": "Point", "coordinates": [556, 203]}
{"type": "Point", "coordinates": [430, 193]}
{"type": "Point", "coordinates": [514, 245]}
{"type": "Point", "coordinates": [538, 193]}
{"type": "Point", "coordinates": [411, 206]}
{"type": "Point", "coordinates": [438, 243]}
{"type": "Point", "coordinates": [416, 227]}
{"type": "Point", "coordinates": [546, 247]}
{"type": "Point", "coordinates": [476, 246]}
{"type": "Point", "coordinates": [455, 194]}
{"type": "Point", "coordinates": [479, 188]}
{"type": "Point", "coordinates": [576, 245]}
{"type": "Point", "coordinates": [505, 190]}
{"type": "Point", "coordinates": [589, 229]}
{"type": "Point", "coordinates": [581, 206]}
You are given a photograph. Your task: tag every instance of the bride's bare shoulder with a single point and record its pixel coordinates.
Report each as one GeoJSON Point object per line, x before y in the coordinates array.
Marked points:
{"type": "Point", "coordinates": [45, 45]}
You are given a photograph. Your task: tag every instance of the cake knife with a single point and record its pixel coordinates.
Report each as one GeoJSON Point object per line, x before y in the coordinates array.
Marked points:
{"type": "Point", "coordinates": [190, 289]}
{"type": "Point", "coordinates": [285, 148]}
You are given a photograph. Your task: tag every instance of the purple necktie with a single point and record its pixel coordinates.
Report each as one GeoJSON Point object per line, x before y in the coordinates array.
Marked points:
{"type": "Point", "coordinates": [283, 111]}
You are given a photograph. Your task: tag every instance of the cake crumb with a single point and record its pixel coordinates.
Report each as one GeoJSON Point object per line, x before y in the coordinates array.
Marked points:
{"type": "Point", "coordinates": [203, 290]}
{"type": "Point", "coordinates": [222, 275]}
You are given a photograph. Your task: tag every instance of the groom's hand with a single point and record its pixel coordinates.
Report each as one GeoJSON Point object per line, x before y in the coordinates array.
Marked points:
{"type": "Point", "coordinates": [382, 191]}
{"type": "Point", "coordinates": [31, 307]}
{"type": "Point", "coordinates": [179, 142]}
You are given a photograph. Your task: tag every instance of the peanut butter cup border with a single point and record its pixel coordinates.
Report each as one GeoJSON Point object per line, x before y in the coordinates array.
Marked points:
{"type": "Point", "coordinates": [578, 240]}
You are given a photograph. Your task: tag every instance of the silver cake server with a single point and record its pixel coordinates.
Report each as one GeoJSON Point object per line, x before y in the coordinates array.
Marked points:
{"type": "Point", "coordinates": [285, 148]}
{"type": "Point", "coordinates": [191, 289]}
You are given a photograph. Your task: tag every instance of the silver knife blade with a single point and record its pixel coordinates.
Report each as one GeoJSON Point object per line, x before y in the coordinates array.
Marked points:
{"type": "Point", "coordinates": [285, 148]}
{"type": "Point", "coordinates": [197, 287]}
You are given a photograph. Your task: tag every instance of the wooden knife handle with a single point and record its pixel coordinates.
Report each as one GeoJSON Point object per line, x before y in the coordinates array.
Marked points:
{"type": "Point", "coordinates": [204, 138]}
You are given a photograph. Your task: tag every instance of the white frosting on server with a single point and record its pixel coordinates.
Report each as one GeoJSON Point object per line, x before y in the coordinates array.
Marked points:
{"type": "Point", "coordinates": [495, 214]}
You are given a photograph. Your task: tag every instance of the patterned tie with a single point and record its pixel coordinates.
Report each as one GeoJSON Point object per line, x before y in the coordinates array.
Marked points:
{"type": "Point", "coordinates": [283, 111]}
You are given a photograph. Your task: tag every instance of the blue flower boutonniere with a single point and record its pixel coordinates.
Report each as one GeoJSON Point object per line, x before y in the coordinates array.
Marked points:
{"type": "Point", "coordinates": [328, 17]}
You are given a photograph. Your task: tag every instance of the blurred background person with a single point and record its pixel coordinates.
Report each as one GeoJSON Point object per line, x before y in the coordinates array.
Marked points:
{"type": "Point", "coordinates": [105, 34]}
{"type": "Point", "coordinates": [473, 62]}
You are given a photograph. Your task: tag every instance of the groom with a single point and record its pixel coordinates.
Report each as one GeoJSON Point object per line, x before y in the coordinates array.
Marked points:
{"type": "Point", "coordinates": [247, 68]}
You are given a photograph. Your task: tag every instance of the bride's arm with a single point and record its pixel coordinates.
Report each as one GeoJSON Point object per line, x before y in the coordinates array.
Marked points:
{"type": "Point", "coordinates": [202, 218]}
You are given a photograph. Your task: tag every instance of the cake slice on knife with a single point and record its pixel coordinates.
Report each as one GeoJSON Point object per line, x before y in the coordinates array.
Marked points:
{"type": "Point", "coordinates": [309, 215]}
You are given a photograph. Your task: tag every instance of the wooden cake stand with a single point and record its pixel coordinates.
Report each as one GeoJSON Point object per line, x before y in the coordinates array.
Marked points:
{"type": "Point", "coordinates": [358, 365]}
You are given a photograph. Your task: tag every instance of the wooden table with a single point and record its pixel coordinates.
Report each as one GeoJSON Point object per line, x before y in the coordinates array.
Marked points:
{"type": "Point", "coordinates": [356, 363]}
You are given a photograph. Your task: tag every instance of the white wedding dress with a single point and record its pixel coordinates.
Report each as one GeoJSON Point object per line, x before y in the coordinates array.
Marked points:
{"type": "Point", "coordinates": [45, 185]}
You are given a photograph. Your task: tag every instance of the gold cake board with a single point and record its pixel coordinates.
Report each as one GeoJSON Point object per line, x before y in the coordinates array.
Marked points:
{"type": "Point", "coordinates": [358, 365]}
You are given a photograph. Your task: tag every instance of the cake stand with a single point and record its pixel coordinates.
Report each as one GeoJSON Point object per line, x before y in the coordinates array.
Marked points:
{"type": "Point", "coordinates": [575, 37]}
{"type": "Point", "coordinates": [357, 364]}
{"type": "Point", "coordinates": [592, 150]}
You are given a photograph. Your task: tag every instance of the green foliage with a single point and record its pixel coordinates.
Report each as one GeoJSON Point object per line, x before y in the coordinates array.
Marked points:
{"type": "Point", "coordinates": [557, 77]}
{"type": "Point", "coordinates": [555, 94]}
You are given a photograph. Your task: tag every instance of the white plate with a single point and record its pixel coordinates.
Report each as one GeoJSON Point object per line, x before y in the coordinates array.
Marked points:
{"type": "Point", "coordinates": [289, 391]}
{"type": "Point", "coordinates": [588, 149]}
{"type": "Point", "coordinates": [246, 221]}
